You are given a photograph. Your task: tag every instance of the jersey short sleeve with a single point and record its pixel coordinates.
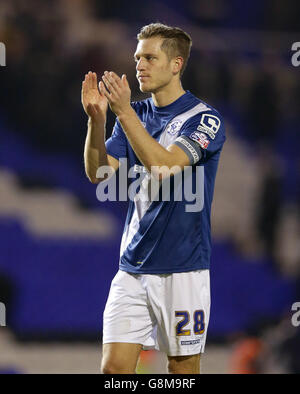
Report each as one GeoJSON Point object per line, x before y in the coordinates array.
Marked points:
{"type": "Point", "coordinates": [116, 145]}
{"type": "Point", "coordinates": [202, 136]}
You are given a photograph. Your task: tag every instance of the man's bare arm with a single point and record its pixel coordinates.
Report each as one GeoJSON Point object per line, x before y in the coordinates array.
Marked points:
{"type": "Point", "coordinates": [153, 155]}
{"type": "Point", "coordinates": [95, 155]}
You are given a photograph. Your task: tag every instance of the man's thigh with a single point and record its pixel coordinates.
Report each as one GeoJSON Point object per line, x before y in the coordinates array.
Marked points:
{"type": "Point", "coordinates": [127, 317]}
{"type": "Point", "coordinates": [120, 357]}
{"type": "Point", "coordinates": [182, 307]}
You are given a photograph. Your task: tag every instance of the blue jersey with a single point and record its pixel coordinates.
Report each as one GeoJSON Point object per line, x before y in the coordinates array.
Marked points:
{"type": "Point", "coordinates": [166, 235]}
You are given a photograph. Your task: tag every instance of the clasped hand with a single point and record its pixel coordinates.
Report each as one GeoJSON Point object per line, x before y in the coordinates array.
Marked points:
{"type": "Point", "coordinates": [117, 92]}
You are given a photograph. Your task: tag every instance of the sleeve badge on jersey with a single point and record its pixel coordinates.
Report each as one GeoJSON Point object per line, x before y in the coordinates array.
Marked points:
{"type": "Point", "coordinates": [201, 138]}
{"type": "Point", "coordinates": [209, 124]}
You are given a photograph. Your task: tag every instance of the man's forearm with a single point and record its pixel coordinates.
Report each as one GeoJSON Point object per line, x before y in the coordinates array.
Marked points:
{"type": "Point", "coordinates": [94, 150]}
{"type": "Point", "coordinates": [147, 149]}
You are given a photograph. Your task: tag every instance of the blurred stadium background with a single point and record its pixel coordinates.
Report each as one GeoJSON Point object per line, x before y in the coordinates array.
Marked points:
{"type": "Point", "coordinates": [60, 245]}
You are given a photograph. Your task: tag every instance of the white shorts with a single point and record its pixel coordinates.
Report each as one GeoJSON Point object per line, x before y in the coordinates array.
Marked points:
{"type": "Point", "coordinates": [168, 312]}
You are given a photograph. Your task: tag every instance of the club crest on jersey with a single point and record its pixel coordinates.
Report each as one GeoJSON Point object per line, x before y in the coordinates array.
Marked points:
{"type": "Point", "coordinates": [209, 124]}
{"type": "Point", "coordinates": [201, 138]}
{"type": "Point", "coordinates": [174, 127]}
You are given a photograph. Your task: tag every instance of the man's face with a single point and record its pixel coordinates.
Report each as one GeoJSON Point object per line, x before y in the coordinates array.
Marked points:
{"type": "Point", "coordinates": [154, 69]}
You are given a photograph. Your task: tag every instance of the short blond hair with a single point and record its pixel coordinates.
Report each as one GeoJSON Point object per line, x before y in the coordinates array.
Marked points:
{"type": "Point", "coordinates": [176, 42]}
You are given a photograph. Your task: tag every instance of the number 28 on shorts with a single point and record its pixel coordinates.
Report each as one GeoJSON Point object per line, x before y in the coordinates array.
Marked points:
{"type": "Point", "coordinates": [198, 323]}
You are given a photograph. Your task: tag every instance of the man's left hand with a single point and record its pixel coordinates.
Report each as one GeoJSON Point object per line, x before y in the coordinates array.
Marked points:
{"type": "Point", "coordinates": [117, 92]}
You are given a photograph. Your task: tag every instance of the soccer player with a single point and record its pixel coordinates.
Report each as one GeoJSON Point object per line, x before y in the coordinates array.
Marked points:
{"type": "Point", "coordinates": [160, 296]}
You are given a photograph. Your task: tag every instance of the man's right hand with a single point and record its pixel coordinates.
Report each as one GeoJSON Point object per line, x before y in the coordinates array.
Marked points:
{"type": "Point", "coordinates": [94, 103]}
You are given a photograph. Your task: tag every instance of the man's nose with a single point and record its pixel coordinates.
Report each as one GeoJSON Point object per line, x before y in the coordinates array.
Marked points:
{"type": "Point", "coordinates": [140, 65]}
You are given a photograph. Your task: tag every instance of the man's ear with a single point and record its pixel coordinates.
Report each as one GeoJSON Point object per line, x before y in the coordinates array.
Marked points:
{"type": "Point", "coordinates": [178, 64]}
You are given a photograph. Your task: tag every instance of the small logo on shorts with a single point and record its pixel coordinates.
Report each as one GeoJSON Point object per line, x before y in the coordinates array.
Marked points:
{"type": "Point", "coordinates": [190, 342]}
